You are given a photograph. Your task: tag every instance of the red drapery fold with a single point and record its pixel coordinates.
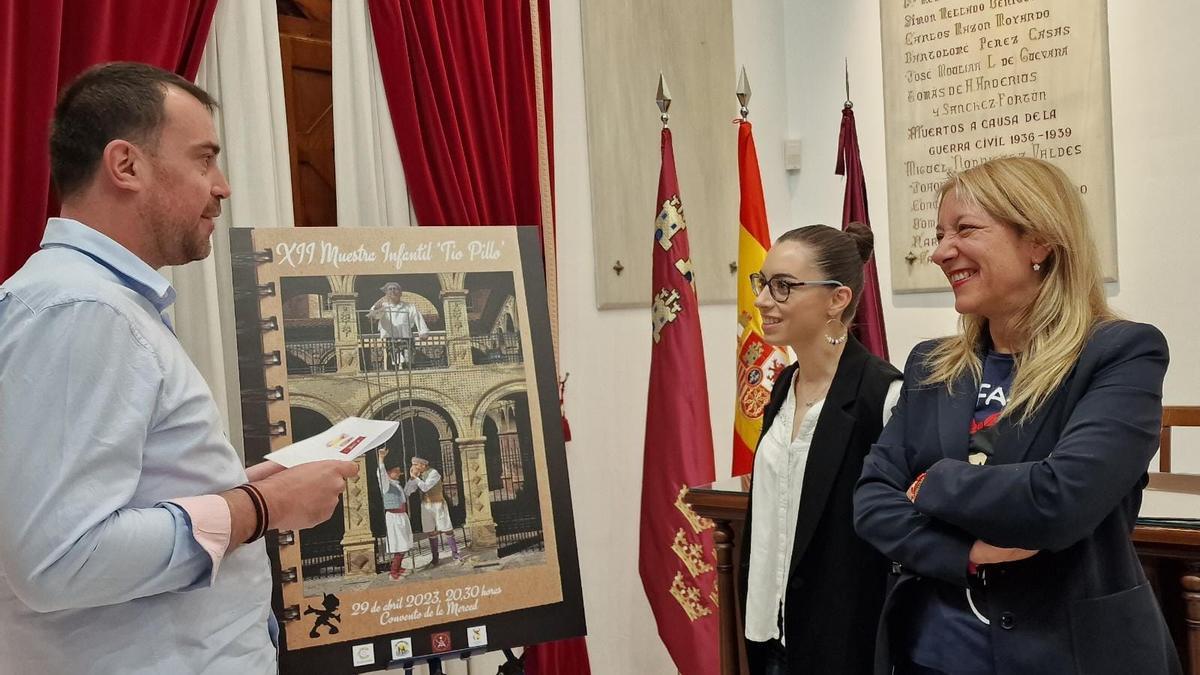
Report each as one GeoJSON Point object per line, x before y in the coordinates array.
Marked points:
{"type": "Point", "coordinates": [459, 83]}
{"type": "Point", "coordinates": [868, 322]}
{"type": "Point", "coordinates": [43, 46]}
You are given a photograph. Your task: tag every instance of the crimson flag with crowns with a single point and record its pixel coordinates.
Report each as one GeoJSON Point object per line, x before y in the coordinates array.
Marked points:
{"type": "Point", "coordinates": [676, 560]}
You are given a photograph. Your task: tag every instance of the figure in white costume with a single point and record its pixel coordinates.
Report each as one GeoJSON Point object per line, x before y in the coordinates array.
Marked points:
{"type": "Point", "coordinates": [397, 321]}
{"type": "Point", "coordinates": [435, 515]}
{"type": "Point", "coordinates": [395, 513]}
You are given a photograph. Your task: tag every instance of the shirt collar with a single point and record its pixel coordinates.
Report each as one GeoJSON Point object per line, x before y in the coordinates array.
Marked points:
{"type": "Point", "coordinates": [130, 269]}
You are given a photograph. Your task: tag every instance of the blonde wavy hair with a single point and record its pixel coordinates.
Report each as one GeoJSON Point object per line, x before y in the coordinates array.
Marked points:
{"type": "Point", "coordinates": [1036, 199]}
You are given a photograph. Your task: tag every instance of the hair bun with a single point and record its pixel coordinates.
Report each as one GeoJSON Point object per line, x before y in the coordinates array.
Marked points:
{"type": "Point", "coordinates": [863, 238]}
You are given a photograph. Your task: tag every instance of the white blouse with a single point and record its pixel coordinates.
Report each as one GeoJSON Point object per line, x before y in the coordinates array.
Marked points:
{"type": "Point", "coordinates": [778, 476]}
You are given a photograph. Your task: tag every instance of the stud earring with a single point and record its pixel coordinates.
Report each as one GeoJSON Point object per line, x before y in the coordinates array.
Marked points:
{"type": "Point", "coordinates": [1037, 267]}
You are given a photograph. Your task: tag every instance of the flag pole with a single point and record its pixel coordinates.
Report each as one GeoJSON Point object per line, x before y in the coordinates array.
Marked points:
{"type": "Point", "coordinates": [868, 322]}
{"type": "Point", "coordinates": [676, 559]}
{"type": "Point", "coordinates": [758, 363]}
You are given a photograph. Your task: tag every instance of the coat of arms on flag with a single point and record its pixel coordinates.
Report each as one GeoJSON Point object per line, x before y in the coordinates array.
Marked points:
{"type": "Point", "coordinates": [759, 364]}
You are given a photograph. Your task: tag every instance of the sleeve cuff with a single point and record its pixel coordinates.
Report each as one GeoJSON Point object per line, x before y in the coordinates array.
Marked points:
{"type": "Point", "coordinates": [211, 525]}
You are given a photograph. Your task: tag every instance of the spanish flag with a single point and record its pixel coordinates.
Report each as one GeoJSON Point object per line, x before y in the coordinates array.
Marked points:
{"type": "Point", "coordinates": [758, 363]}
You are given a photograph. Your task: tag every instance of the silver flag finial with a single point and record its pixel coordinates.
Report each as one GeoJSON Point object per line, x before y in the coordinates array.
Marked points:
{"type": "Point", "coordinates": [743, 94]}
{"type": "Point", "coordinates": [664, 99]}
{"type": "Point", "coordinates": [849, 103]}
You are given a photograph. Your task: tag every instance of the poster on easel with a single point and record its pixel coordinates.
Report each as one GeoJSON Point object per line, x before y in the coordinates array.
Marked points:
{"type": "Point", "coordinates": [457, 535]}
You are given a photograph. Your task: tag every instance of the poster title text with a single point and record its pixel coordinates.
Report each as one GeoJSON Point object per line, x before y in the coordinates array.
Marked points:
{"type": "Point", "coordinates": [395, 254]}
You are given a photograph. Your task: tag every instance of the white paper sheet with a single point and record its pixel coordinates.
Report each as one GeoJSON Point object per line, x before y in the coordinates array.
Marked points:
{"type": "Point", "coordinates": [346, 441]}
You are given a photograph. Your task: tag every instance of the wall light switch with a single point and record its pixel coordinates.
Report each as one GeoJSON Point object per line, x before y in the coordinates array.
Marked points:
{"type": "Point", "coordinates": [791, 155]}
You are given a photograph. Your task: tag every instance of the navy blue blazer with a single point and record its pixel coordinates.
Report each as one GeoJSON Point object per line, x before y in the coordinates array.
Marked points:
{"type": "Point", "coordinates": [1067, 483]}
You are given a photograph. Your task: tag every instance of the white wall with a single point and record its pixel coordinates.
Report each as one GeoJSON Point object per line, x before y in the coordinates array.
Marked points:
{"type": "Point", "coordinates": [793, 51]}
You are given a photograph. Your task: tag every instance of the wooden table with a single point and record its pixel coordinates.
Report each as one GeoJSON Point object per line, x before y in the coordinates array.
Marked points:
{"type": "Point", "coordinates": [1169, 553]}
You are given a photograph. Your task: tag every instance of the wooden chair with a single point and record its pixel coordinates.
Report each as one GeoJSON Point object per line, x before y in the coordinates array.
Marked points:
{"type": "Point", "coordinates": [1174, 416]}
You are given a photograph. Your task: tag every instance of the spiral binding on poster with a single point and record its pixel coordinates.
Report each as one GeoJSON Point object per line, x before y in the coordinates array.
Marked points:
{"type": "Point", "coordinates": [271, 358]}
{"type": "Point", "coordinates": [286, 538]}
{"type": "Point", "coordinates": [290, 613]}
{"type": "Point", "coordinates": [253, 257]}
{"type": "Point", "coordinates": [269, 394]}
{"type": "Point", "coordinates": [289, 576]}
{"type": "Point", "coordinates": [266, 290]}
{"type": "Point", "coordinates": [257, 325]}
{"type": "Point", "coordinates": [272, 429]}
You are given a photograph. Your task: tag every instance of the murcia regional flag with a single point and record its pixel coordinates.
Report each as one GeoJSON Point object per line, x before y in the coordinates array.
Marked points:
{"type": "Point", "coordinates": [758, 363]}
{"type": "Point", "coordinates": [675, 552]}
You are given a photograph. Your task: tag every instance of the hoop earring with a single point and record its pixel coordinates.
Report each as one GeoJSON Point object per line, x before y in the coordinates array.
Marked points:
{"type": "Point", "coordinates": [1037, 267]}
{"type": "Point", "coordinates": [835, 341]}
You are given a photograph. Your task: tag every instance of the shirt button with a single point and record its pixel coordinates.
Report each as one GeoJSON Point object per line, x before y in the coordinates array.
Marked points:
{"type": "Point", "coordinates": [1007, 621]}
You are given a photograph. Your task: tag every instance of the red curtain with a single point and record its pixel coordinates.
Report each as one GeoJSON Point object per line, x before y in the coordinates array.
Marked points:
{"type": "Point", "coordinates": [43, 46]}
{"type": "Point", "coordinates": [459, 81]}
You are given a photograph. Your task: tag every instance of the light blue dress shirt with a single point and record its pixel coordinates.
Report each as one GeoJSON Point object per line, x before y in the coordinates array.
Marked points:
{"type": "Point", "coordinates": [103, 418]}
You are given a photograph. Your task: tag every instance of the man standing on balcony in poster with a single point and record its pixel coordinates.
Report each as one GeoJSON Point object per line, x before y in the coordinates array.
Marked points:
{"type": "Point", "coordinates": [435, 517]}
{"type": "Point", "coordinates": [396, 320]}
{"type": "Point", "coordinates": [395, 513]}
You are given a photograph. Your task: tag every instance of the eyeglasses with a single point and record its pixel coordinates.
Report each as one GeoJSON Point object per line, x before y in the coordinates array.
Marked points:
{"type": "Point", "coordinates": [781, 288]}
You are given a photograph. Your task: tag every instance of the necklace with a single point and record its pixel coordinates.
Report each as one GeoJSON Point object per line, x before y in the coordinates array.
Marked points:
{"type": "Point", "coordinates": [808, 403]}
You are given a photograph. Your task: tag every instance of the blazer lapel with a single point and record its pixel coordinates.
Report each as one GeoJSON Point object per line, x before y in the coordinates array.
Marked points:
{"type": "Point", "coordinates": [1013, 440]}
{"type": "Point", "coordinates": [828, 447]}
{"type": "Point", "coordinates": [954, 417]}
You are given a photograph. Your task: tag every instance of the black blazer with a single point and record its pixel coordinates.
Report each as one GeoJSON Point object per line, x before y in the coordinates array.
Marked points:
{"type": "Point", "coordinates": [1067, 483]}
{"type": "Point", "coordinates": [836, 585]}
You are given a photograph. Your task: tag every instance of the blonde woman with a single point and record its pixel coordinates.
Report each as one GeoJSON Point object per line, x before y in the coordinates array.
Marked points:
{"type": "Point", "coordinates": [1007, 483]}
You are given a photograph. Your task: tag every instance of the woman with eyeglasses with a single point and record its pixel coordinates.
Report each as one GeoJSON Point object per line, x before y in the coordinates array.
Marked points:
{"type": "Point", "coordinates": [812, 589]}
{"type": "Point", "coordinates": [1008, 482]}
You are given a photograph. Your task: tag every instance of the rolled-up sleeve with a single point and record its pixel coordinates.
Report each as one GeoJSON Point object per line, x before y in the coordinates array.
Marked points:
{"type": "Point", "coordinates": [80, 392]}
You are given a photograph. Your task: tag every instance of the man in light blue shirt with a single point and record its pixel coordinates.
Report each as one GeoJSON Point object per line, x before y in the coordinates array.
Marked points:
{"type": "Point", "coordinates": [126, 543]}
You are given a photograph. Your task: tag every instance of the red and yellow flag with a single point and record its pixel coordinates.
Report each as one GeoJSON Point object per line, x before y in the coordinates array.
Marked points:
{"type": "Point", "coordinates": [675, 555]}
{"type": "Point", "coordinates": [758, 363]}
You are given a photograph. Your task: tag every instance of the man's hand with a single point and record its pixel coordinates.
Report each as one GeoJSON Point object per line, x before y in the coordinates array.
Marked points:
{"type": "Point", "coordinates": [305, 495]}
{"type": "Point", "coordinates": [983, 553]}
{"type": "Point", "coordinates": [382, 452]}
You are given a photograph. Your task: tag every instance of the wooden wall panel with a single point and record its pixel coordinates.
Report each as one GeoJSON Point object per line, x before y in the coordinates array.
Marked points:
{"type": "Point", "coordinates": [626, 44]}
